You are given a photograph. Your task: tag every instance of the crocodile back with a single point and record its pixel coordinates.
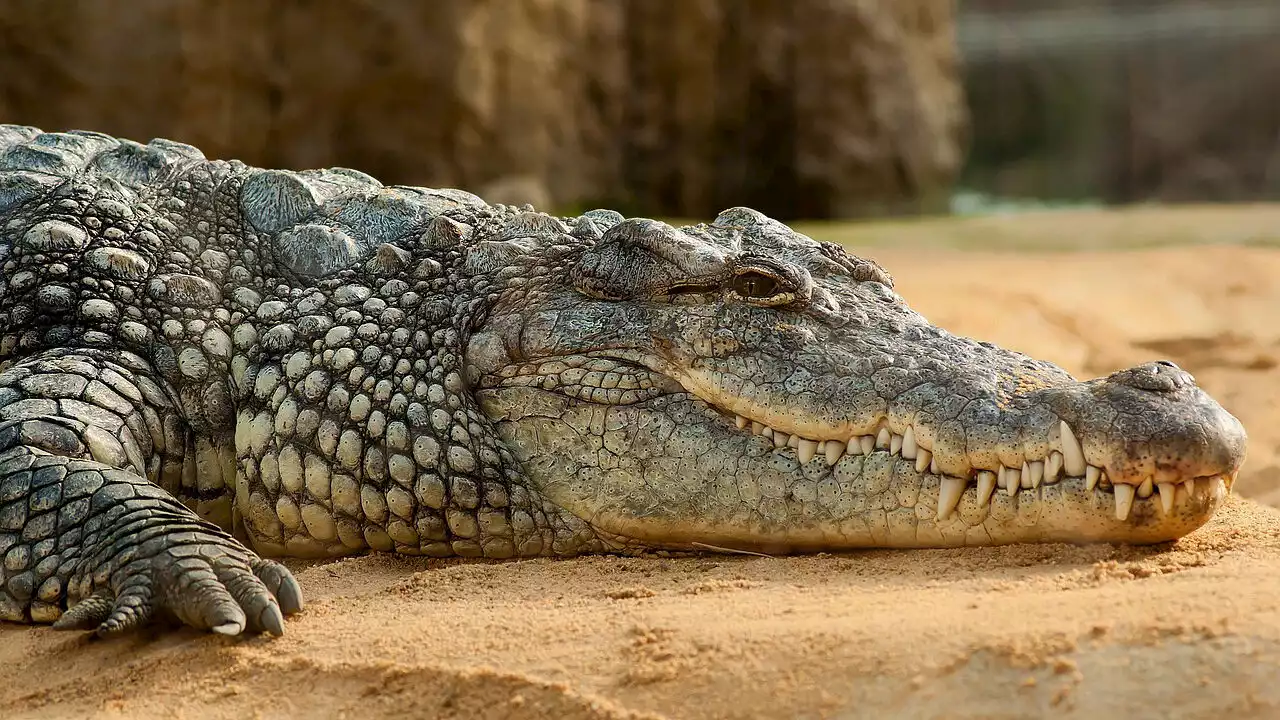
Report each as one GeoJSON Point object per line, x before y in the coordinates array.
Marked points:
{"type": "Point", "coordinates": [59, 193]}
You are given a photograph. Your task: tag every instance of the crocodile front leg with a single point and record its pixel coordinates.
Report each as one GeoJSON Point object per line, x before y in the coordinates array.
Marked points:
{"type": "Point", "coordinates": [87, 541]}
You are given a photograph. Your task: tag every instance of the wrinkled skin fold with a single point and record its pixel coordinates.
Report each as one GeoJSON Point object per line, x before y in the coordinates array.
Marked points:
{"type": "Point", "coordinates": [206, 365]}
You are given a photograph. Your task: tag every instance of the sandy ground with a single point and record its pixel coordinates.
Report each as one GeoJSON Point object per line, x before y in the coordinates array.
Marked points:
{"type": "Point", "coordinates": [1190, 629]}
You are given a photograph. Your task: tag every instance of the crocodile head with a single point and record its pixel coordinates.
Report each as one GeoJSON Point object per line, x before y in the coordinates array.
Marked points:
{"type": "Point", "coordinates": [741, 385]}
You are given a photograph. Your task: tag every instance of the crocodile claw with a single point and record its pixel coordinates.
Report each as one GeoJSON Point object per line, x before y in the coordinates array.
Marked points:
{"type": "Point", "coordinates": [212, 590]}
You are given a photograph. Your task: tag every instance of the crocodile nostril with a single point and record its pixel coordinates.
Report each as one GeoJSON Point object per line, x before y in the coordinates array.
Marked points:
{"type": "Point", "coordinates": [1158, 376]}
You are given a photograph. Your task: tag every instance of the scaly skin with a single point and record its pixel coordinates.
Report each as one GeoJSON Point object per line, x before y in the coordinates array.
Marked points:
{"type": "Point", "coordinates": [204, 364]}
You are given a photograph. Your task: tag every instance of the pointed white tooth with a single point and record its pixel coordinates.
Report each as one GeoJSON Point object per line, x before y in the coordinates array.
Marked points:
{"type": "Point", "coordinates": [1189, 486]}
{"type": "Point", "coordinates": [867, 444]}
{"type": "Point", "coordinates": [1091, 476]}
{"type": "Point", "coordinates": [1053, 466]}
{"type": "Point", "coordinates": [910, 450]}
{"type": "Point", "coordinates": [923, 459]}
{"type": "Point", "coordinates": [806, 450]}
{"type": "Point", "coordinates": [1072, 452]}
{"type": "Point", "coordinates": [986, 486]}
{"type": "Point", "coordinates": [766, 431]}
{"type": "Point", "coordinates": [793, 441]}
{"type": "Point", "coordinates": [1024, 476]}
{"type": "Point", "coordinates": [895, 444]}
{"type": "Point", "coordinates": [1146, 488]}
{"type": "Point", "coordinates": [884, 438]}
{"type": "Point", "coordinates": [1124, 500]}
{"type": "Point", "coordinates": [1012, 480]}
{"type": "Point", "coordinates": [949, 495]}
{"type": "Point", "coordinates": [933, 465]}
{"type": "Point", "coordinates": [741, 422]}
{"type": "Point", "coordinates": [1167, 492]}
{"type": "Point", "coordinates": [780, 439]}
{"type": "Point", "coordinates": [834, 450]}
{"type": "Point", "coordinates": [1037, 473]}
{"type": "Point", "coordinates": [1218, 485]}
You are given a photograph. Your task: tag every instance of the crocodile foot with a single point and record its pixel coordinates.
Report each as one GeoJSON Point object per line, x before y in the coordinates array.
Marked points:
{"type": "Point", "coordinates": [202, 580]}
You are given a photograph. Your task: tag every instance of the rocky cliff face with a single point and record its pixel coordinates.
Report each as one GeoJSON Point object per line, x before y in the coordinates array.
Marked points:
{"type": "Point", "coordinates": [810, 108]}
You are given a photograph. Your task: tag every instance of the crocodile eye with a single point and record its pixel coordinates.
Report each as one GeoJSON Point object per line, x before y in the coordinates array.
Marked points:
{"type": "Point", "coordinates": [752, 284]}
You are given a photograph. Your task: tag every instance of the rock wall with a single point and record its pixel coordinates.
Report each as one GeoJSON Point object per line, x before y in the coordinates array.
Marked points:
{"type": "Point", "coordinates": [812, 108]}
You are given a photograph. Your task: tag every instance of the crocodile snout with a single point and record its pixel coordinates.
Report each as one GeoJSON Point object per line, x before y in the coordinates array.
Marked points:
{"type": "Point", "coordinates": [1151, 425]}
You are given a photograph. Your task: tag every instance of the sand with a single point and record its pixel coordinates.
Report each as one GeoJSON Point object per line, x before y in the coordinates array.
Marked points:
{"type": "Point", "coordinates": [1187, 629]}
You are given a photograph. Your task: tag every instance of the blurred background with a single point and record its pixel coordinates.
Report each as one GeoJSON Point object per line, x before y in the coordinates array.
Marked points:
{"type": "Point", "coordinates": [1122, 101]}
{"type": "Point", "coordinates": [812, 109]}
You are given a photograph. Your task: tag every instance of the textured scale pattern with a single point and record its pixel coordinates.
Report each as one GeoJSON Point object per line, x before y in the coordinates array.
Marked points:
{"type": "Point", "coordinates": [161, 323]}
{"type": "Point", "coordinates": [204, 365]}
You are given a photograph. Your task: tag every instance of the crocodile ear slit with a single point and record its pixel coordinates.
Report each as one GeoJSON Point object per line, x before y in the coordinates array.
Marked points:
{"type": "Point", "coordinates": [639, 257]}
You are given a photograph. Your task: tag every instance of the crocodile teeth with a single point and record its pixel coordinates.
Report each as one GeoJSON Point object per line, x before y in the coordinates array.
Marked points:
{"type": "Point", "coordinates": [986, 486]}
{"type": "Point", "coordinates": [1091, 477]}
{"type": "Point", "coordinates": [1053, 466]}
{"type": "Point", "coordinates": [910, 448]}
{"type": "Point", "coordinates": [1030, 474]}
{"type": "Point", "coordinates": [949, 495]}
{"type": "Point", "coordinates": [834, 450]}
{"type": "Point", "coordinates": [805, 450]}
{"type": "Point", "coordinates": [1037, 472]}
{"type": "Point", "coordinates": [1124, 500]}
{"type": "Point", "coordinates": [923, 459]}
{"type": "Point", "coordinates": [1072, 452]}
{"type": "Point", "coordinates": [1167, 492]}
{"type": "Point", "coordinates": [1146, 488]}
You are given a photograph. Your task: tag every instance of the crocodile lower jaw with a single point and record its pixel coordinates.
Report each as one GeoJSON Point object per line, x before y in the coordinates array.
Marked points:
{"type": "Point", "coordinates": [1061, 465]}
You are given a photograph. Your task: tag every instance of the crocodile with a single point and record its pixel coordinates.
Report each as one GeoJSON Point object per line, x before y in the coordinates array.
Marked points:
{"type": "Point", "coordinates": [208, 367]}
